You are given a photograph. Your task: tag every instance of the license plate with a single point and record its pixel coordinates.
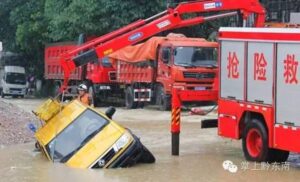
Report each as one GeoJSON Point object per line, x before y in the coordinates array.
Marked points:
{"type": "Point", "coordinates": [200, 88]}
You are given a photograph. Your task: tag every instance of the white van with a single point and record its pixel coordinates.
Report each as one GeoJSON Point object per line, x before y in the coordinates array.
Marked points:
{"type": "Point", "coordinates": [13, 81]}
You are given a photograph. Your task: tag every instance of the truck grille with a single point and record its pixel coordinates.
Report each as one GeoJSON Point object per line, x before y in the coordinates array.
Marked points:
{"type": "Point", "coordinates": [199, 75]}
{"type": "Point", "coordinates": [15, 89]}
{"type": "Point", "coordinates": [112, 76]}
{"type": "Point", "coordinates": [105, 159]}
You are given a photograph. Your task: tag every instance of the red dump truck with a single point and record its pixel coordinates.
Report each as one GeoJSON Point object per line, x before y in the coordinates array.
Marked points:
{"type": "Point", "coordinates": [99, 75]}
{"type": "Point", "coordinates": [259, 91]}
{"type": "Point", "coordinates": [150, 70]}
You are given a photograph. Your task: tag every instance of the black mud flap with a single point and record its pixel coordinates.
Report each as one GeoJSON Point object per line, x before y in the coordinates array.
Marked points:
{"type": "Point", "coordinates": [209, 123]}
{"type": "Point", "coordinates": [135, 153]}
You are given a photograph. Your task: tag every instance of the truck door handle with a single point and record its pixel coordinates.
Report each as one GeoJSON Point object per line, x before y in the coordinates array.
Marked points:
{"type": "Point", "coordinates": [259, 101]}
{"type": "Point", "coordinates": [231, 97]}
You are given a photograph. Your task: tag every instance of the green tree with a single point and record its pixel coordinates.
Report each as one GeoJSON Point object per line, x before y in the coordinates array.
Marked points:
{"type": "Point", "coordinates": [30, 33]}
{"type": "Point", "coordinates": [7, 30]}
{"type": "Point", "coordinates": [96, 17]}
{"type": "Point", "coordinates": [27, 25]}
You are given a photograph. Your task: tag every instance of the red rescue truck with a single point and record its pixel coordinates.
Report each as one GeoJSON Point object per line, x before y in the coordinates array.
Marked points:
{"type": "Point", "coordinates": [259, 91]}
{"type": "Point", "coordinates": [150, 70]}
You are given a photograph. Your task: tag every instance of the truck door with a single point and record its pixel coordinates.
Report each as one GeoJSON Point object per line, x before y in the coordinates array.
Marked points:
{"type": "Point", "coordinates": [232, 86]}
{"type": "Point", "coordinates": [232, 70]}
{"type": "Point", "coordinates": [164, 63]}
{"type": "Point", "coordinates": [260, 72]}
{"type": "Point", "coordinates": [288, 84]}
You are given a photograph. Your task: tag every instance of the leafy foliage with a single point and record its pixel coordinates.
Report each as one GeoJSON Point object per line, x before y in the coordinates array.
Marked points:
{"type": "Point", "coordinates": [6, 28]}
{"type": "Point", "coordinates": [97, 17]}
{"type": "Point", "coordinates": [30, 33]}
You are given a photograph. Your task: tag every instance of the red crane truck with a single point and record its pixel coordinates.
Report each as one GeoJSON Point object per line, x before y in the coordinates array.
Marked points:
{"type": "Point", "coordinates": [150, 70]}
{"type": "Point", "coordinates": [259, 91]}
{"type": "Point", "coordinates": [166, 20]}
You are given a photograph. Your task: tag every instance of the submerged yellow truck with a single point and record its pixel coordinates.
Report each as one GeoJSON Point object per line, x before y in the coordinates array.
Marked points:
{"type": "Point", "coordinates": [82, 137]}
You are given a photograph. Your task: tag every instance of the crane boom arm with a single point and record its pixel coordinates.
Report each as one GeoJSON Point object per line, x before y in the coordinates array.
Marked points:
{"type": "Point", "coordinates": [170, 19]}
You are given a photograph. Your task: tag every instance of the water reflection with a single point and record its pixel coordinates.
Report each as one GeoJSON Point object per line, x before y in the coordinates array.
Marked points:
{"type": "Point", "coordinates": [21, 163]}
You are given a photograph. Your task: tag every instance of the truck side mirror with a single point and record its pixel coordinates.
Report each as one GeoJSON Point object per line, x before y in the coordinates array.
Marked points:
{"type": "Point", "coordinates": [166, 55]}
{"type": "Point", "coordinates": [110, 112]}
{"type": "Point", "coordinates": [81, 39]}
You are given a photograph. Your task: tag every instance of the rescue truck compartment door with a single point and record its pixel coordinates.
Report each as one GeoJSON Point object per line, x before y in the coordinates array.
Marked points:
{"type": "Point", "coordinates": [288, 84]}
{"type": "Point", "coordinates": [260, 72]}
{"type": "Point", "coordinates": [232, 69]}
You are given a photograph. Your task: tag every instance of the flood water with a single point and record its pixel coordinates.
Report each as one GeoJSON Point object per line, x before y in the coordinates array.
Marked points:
{"type": "Point", "coordinates": [21, 163]}
{"type": "Point", "coordinates": [202, 154]}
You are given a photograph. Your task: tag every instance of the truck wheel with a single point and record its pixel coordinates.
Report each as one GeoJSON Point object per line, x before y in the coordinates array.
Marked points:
{"type": "Point", "coordinates": [141, 104]}
{"type": "Point", "coordinates": [164, 101]}
{"type": "Point", "coordinates": [129, 99]}
{"type": "Point", "coordinates": [56, 90]}
{"type": "Point", "coordinates": [92, 94]}
{"type": "Point", "coordinates": [2, 94]}
{"type": "Point", "coordinates": [255, 142]}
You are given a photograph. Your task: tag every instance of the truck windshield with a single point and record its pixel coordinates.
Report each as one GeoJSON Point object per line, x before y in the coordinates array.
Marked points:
{"type": "Point", "coordinates": [195, 56]}
{"type": "Point", "coordinates": [15, 78]}
{"type": "Point", "coordinates": [75, 136]}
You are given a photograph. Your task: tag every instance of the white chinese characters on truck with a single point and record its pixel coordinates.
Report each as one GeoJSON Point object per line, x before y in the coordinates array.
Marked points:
{"type": "Point", "coordinates": [259, 91]}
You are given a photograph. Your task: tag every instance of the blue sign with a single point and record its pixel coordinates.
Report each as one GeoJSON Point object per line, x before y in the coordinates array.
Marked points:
{"type": "Point", "coordinates": [219, 4]}
{"type": "Point", "coordinates": [135, 36]}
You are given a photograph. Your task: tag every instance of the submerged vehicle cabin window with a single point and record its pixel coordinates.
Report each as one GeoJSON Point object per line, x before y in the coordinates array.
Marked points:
{"type": "Point", "coordinates": [15, 78]}
{"type": "Point", "coordinates": [75, 135]}
{"type": "Point", "coordinates": [195, 56]}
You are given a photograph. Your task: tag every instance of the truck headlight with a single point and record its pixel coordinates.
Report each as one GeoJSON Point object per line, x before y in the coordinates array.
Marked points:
{"type": "Point", "coordinates": [121, 142]}
{"type": "Point", "coordinates": [179, 87]}
{"type": "Point", "coordinates": [103, 87]}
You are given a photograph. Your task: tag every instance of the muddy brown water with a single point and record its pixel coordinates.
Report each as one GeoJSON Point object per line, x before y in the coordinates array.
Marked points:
{"type": "Point", "coordinates": [202, 154]}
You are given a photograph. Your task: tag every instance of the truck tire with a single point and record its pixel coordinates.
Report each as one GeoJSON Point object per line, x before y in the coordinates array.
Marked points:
{"type": "Point", "coordinates": [2, 94]}
{"type": "Point", "coordinates": [164, 101]}
{"type": "Point", "coordinates": [56, 90]}
{"type": "Point", "coordinates": [129, 99]}
{"type": "Point", "coordinates": [94, 99]}
{"type": "Point", "coordinates": [255, 142]}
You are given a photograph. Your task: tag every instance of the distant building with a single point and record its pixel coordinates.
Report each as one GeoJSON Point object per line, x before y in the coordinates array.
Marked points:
{"type": "Point", "coordinates": [280, 10]}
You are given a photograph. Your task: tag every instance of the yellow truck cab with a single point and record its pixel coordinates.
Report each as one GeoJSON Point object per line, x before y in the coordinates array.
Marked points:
{"type": "Point", "coordinates": [82, 137]}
